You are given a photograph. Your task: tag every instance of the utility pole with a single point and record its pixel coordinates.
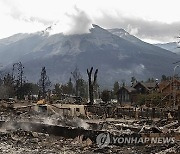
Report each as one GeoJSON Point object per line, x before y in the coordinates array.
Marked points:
{"type": "Point", "coordinates": [174, 87]}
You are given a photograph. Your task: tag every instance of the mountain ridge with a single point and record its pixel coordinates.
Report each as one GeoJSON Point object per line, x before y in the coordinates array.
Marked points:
{"type": "Point", "coordinates": [115, 57]}
{"type": "Point", "coordinates": [171, 46]}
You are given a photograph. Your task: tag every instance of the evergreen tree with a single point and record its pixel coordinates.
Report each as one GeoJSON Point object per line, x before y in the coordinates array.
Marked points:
{"type": "Point", "coordinates": [44, 83]}
{"type": "Point", "coordinates": [150, 80]}
{"type": "Point", "coordinates": [19, 79]}
{"type": "Point", "coordinates": [8, 80]}
{"type": "Point", "coordinates": [116, 87]}
{"type": "Point", "coordinates": [76, 75]}
{"type": "Point", "coordinates": [105, 96]}
{"type": "Point", "coordinates": [70, 87]}
{"type": "Point", "coordinates": [30, 89]}
{"type": "Point", "coordinates": [7, 87]}
{"type": "Point", "coordinates": [133, 81]}
{"type": "Point", "coordinates": [82, 90]}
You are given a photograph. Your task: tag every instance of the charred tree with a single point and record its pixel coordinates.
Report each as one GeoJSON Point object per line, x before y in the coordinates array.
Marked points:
{"type": "Point", "coordinates": [19, 79]}
{"type": "Point", "coordinates": [91, 84]}
{"type": "Point", "coordinates": [7, 87]}
{"type": "Point", "coordinates": [44, 83]}
{"type": "Point", "coordinates": [76, 76]}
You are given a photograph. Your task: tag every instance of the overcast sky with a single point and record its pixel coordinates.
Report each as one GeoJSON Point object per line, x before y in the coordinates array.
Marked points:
{"type": "Point", "coordinates": [150, 20]}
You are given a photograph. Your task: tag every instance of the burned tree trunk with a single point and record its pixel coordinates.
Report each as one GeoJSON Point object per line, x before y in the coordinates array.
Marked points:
{"type": "Point", "coordinates": [91, 84]}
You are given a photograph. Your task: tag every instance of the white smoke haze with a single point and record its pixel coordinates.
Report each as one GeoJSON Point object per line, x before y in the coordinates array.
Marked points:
{"type": "Point", "coordinates": [7, 126]}
{"type": "Point", "coordinates": [25, 127]}
{"type": "Point", "coordinates": [81, 123]}
{"type": "Point", "coordinates": [77, 22]}
{"type": "Point", "coordinates": [56, 119]}
{"type": "Point", "coordinates": [49, 121]}
{"type": "Point", "coordinates": [132, 30]}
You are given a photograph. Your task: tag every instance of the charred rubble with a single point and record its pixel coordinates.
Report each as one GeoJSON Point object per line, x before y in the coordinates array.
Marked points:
{"type": "Point", "coordinates": [46, 127]}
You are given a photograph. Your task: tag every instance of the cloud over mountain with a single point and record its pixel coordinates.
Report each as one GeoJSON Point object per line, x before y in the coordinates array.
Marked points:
{"type": "Point", "coordinates": [117, 57]}
{"type": "Point", "coordinates": [146, 20]}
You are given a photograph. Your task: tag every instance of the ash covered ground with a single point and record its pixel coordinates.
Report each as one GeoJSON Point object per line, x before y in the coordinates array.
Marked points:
{"type": "Point", "coordinates": [24, 139]}
{"type": "Point", "coordinates": [38, 143]}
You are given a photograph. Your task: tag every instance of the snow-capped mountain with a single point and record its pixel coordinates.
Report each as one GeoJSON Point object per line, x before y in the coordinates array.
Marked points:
{"type": "Point", "coordinates": [125, 35]}
{"type": "Point", "coordinates": [117, 57]}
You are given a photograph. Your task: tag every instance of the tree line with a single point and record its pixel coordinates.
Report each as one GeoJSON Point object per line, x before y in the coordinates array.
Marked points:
{"type": "Point", "coordinates": [14, 84]}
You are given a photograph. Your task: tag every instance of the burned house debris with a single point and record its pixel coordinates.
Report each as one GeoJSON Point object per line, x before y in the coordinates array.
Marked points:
{"type": "Point", "coordinates": [62, 121]}
{"type": "Point", "coordinates": [68, 86]}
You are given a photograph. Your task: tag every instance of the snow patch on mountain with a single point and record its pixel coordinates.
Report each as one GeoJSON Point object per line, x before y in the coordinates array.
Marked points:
{"type": "Point", "coordinates": [125, 35]}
